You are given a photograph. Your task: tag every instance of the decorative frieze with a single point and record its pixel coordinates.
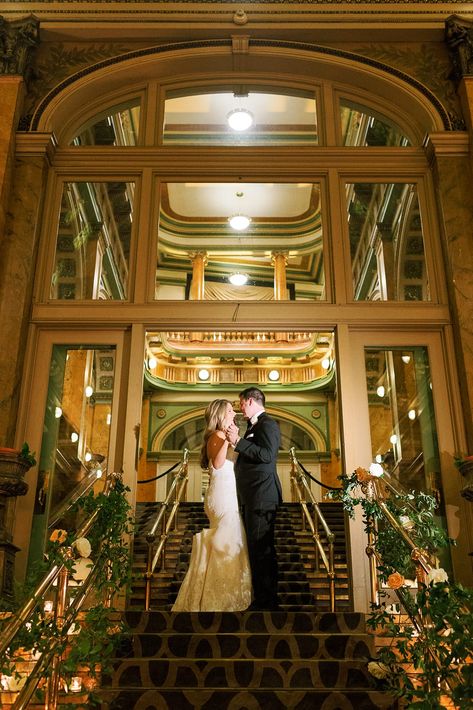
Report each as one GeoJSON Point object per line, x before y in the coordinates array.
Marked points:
{"type": "Point", "coordinates": [18, 39]}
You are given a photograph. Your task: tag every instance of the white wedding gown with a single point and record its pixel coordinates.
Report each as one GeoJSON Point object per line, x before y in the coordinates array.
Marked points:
{"type": "Point", "coordinates": [218, 578]}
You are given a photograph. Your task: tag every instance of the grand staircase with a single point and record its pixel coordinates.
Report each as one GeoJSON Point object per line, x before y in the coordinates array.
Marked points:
{"type": "Point", "coordinates": [303, 585]}
{"type": "Point", "coordinates": [303, 656]}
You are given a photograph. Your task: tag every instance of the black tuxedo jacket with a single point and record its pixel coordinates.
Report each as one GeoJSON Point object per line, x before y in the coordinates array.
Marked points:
{"type": "Point", "coordinates": [258, 485]}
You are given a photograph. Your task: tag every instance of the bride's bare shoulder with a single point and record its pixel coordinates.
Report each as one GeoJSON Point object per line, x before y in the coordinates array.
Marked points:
{"type": "Point", "coordinates": [216, 437]}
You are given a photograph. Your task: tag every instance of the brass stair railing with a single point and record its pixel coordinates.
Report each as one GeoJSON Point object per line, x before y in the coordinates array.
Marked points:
{"type": "Point", "coordinates": [91, 477]}
{"type": "Point", "coordinates": [48, 663]}
{"type": "Point", "coordinates": [302, 491]}
{"type": "Point", "coordinates": [165, 521]}
{"type": "Point", "coordinates": [378, 489]}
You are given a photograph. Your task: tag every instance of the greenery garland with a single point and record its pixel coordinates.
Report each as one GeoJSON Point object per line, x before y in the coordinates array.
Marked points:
{"type": "Point", "coordinates": [430, 659]}
{"type": "Point", "coordinates": [97, 630]}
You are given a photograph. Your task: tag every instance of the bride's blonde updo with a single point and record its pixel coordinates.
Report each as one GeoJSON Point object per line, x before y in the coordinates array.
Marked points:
{"type": "Point", "coordinates": [214, 416]}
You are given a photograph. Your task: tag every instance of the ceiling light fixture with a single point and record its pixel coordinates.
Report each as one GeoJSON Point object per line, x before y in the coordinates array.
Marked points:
{"type": "Point", "coordinates": [326, 362]}
{"type": "Point", "coordinates": [152, 362]}
{"type": "Point", "coordinates": [204, 375]}
{"type": "Point", "coordinates": [239, 222]}
{"type": "Point", "coordinates": [238, 279]}
{"type": "Point", "coordinates": [240, 119]}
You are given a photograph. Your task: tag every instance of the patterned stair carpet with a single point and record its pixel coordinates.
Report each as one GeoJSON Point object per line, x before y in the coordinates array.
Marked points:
{"type": "Point", "coordinates": [269, 660]}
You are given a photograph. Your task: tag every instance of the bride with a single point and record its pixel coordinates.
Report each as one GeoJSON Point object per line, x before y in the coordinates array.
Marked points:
{"type": "Point", "coordinates": [218, 578]}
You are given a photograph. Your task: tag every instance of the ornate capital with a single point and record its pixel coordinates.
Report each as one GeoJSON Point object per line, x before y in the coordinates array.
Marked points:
{"type": "Point", "coordinates": [198, 256]}
{"type": "Point", "coordinates": [17, 40]}
{"type": "Point", "coordinates": [459, 40]}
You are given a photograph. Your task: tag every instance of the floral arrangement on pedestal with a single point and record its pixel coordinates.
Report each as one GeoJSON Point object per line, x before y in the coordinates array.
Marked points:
{"type": "Point", "coordinates": [429, 662]}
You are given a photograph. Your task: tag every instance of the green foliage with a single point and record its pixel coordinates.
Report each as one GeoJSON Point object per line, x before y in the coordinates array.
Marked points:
{"type": "Point", "coordinates": [460, 459]}
{"type": "Point", "coordinates": [27, 455]}
{"type": "Point", "coordinates": [429, 658]}
{"type": "Point", "coordinates": [100, 626]}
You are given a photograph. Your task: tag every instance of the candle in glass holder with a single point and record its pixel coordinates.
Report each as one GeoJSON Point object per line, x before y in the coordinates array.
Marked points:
{"type": "Point", "coordinates": [76, 684]}
{"type": "Point", "coordinates": [48, 606]}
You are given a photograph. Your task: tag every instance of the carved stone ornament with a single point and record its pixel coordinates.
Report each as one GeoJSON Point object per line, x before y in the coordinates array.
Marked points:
{"type": "Point", "coordinates": [17, 40]}
{"type": "Point", "coordinates": [459, 40]}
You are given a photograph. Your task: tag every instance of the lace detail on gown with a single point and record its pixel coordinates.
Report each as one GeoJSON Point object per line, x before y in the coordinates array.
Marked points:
{"type": "Point", "coordinates": [218, 578]}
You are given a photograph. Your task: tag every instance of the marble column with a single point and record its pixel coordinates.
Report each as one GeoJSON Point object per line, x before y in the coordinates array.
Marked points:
{"type": "Point", "coordinates": [199, 262]}
{"type": "Point", "coordinates": [451, 162]}
{"type": "Point", "coordinates": [279, 261]}
{"type": "Point", "coordinates": [17, 268]}
{"type": "Point", "coordinates": [18, 38]}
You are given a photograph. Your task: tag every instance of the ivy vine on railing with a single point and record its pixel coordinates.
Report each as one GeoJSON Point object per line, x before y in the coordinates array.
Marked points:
{"type": "Point", "coordinates": [429, 662]}
{"type": "Point", "coordinates": [86, 638]}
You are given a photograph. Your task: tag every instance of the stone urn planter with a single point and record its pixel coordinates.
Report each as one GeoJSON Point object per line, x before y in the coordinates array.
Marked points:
{"type": "Point", "coordinates": [13, 466]}
{"type": "Point", "coordinates": [466, 469]}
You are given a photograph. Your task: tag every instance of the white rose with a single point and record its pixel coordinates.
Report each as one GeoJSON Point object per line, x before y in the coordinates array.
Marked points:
{"type": "Point", "coordinates": [82, 546]}
{"type": "Point", "coordinates": [406, 522]}
{"type": "Point", "coordinates": [376, 470]}
{"type": "Point", "coordinates": [435, 576]}
{"type": "Point", "coordinates": [378, 670]}
{"type": "Point", "coordinates": [14, 683]}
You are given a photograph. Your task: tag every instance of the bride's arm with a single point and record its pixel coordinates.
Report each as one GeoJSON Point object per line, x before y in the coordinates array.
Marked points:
{"type": "Point", "coordinates": [217, 446]}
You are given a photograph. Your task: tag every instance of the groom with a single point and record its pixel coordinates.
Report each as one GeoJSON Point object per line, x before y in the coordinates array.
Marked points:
{"type": "Point", "coordinates": [259, 493]}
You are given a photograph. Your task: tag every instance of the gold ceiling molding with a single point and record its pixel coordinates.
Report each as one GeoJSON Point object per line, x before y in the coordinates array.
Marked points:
{"type": "Point", "coordinates": [184, 342]}
{"type": "Point", "coordinates": [239, 358]}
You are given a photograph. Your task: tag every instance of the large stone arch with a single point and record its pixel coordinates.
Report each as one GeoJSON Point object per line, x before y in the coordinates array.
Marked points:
{"type": "Point", "coordinates": [216, 61]}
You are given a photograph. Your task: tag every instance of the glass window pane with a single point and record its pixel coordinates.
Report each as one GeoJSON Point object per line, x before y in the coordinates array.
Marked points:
{"type": "Point", "coordinates": [118, 125]}
{"type": "Point", "coordinates": [363, 126]}
{"type": "Point", "coordinates": [76, 428]}
{"type": "Point", "coordinates": [93, 241]}
{"type": "Point", "coordinates": [402, 419]}
{"type": "Point", "coordinates": [386, 242]}
{"type": "Point", "coordinates": [246, 118]}
{"type": "Point", "coordinates": [276, 255]}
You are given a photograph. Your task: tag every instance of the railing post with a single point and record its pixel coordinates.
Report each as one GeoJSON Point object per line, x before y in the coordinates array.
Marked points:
{"type": "Point", "coordinates": [52, 691]}
{"type": "Point", "coordinates": [166, 521]}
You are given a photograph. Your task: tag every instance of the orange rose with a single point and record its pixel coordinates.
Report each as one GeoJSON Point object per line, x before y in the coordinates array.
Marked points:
{"type": "Point", "coordinates": [58, 536]}
{"type": "Point", "coordinates": [362, 475]}
{"type": "Point", "coordinates": [395, 580]}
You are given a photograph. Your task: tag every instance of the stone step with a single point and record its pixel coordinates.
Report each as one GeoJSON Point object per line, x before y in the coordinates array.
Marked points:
{"type": "Point", "coordinates": [247, 646]}
{"type": "Point", "coordinates": [238, 673]}
{"type": "Point", "coordinates": [221, 699]}
{"type": "Point", "coordinates": [245, 622]}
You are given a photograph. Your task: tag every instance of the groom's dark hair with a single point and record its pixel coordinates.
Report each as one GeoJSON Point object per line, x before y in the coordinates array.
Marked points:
{"type": "Point", "coordinates": [253, 393]}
